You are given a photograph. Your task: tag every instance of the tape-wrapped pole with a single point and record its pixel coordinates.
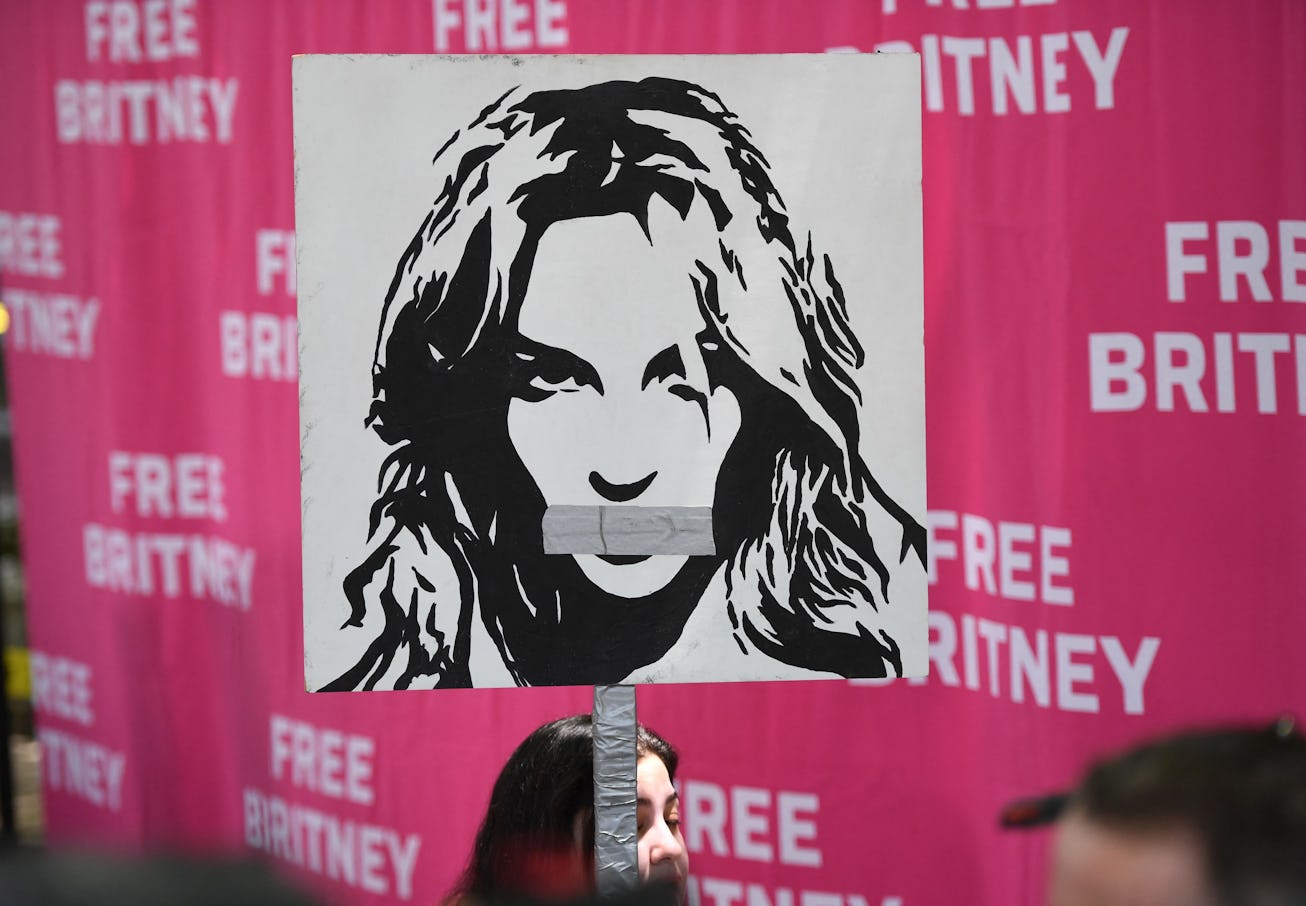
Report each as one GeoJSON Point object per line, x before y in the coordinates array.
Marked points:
{"type": "Point", "coordinates": [616, 836]}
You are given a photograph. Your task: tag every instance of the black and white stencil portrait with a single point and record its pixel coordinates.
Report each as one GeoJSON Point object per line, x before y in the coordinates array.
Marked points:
{"type": "Point", "coordinates": [678, 297]}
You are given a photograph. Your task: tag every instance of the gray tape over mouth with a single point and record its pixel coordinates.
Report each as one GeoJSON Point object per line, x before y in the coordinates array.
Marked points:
{"type": "Point", "coordinates": [628, 530]}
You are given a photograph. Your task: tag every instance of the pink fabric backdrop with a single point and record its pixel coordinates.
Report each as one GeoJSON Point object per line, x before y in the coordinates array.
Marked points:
{"type": "Point", "coordinates": [1115, 214]}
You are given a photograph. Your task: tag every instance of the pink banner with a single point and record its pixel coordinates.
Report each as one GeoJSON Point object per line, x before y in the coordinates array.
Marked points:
{"type": "Point", "coordinates": [1115, 250]}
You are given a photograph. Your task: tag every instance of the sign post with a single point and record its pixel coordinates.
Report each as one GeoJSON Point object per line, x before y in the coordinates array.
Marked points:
{"type": "Point", "coordinates": [616, 858]}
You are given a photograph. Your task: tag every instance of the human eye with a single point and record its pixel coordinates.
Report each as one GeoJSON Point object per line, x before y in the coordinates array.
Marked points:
{"type": "Point", "coordinates": [663, 366]}
{"type": "Point", "coordinates": [544, 372]}
{"type": "Point", "coordinates": [545, 385]}
{"type": "Point", "coordinates": [688, 393]}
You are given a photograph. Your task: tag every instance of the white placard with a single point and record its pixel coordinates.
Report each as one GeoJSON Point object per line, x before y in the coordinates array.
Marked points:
{"type": "Point", "coordinates": [661, 282]}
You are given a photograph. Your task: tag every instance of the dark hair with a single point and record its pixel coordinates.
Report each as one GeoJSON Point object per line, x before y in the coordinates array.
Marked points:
{"type": "Point", "coordinates": [544, 790]}
{"type": "Point", "coordinates": [1241, 791]}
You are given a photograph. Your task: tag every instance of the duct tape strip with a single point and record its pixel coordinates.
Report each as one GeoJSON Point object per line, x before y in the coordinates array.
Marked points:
{"type": "Point", "coordinates": [628, 530]}
{"type": "Point", "coordinates": [616, 836]}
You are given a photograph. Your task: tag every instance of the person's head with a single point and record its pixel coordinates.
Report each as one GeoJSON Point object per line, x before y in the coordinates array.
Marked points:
{"type": "Point", "coordinates": [1213, 818]}
{"type": "Point", "coordinates": [607, 303]}
{"type": "Point", "coordinates": [663, 855]}
{"type": "Point", "coordinates": [538, 833]}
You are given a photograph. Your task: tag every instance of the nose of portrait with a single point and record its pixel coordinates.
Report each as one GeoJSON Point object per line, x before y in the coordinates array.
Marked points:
{"type": "Point", "coordinates": [619, 447]}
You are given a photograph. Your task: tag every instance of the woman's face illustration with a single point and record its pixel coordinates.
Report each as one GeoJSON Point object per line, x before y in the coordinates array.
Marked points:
{"type": "Point", "coordinates": [613, 404]}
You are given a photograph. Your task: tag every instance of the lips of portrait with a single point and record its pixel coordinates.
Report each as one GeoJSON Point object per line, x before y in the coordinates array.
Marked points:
{"type": "Point", "coordinates": [616, 406]}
